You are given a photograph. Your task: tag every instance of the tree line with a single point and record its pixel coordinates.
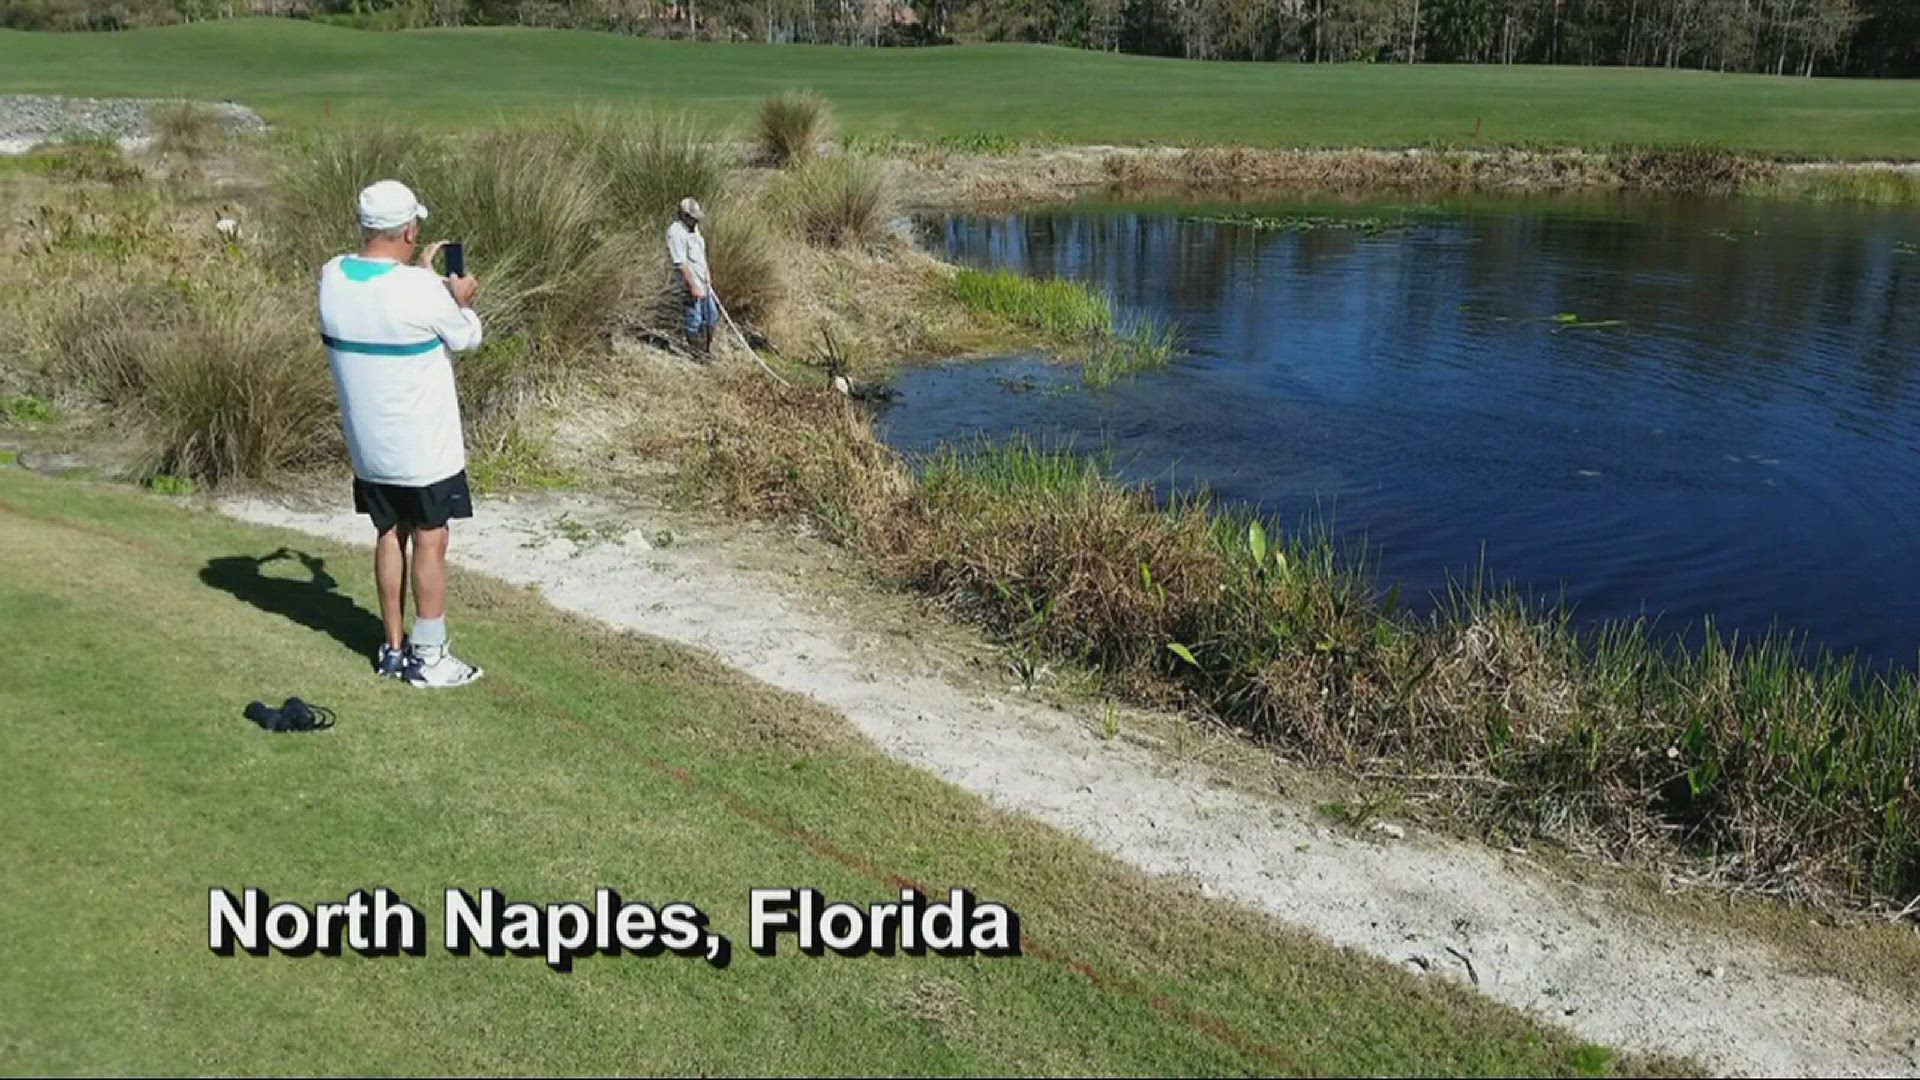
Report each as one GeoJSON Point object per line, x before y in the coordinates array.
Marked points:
{"type": "Point", "coordinates": [1801, 37]}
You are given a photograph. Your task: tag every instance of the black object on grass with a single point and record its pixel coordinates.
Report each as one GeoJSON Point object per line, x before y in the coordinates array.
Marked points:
{"type": "Point", "coordinates": [293, 715]}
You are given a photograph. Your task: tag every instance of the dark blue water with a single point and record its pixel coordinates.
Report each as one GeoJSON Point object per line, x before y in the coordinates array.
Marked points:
{"type": "Point", "coordinates": [1745, 444]}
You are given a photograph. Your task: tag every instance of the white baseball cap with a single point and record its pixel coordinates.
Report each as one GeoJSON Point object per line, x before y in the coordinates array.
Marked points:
{"type": "Point", "coordinates": [389, 204]}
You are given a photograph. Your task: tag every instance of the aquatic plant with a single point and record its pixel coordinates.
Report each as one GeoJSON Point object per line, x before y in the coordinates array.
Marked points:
{"type": "Point", "coordinates": [1567, 320]}
{"type": "Point", "coordinates": [1147, 345]}
{"type": "Point", "coordinates": [1056, 306]}
{"type": "Point", "coordinates": [1371, 226]}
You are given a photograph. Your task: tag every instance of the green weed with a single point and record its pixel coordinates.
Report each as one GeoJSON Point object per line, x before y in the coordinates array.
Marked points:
{"type": "Point", "coordinates": [23, 408]}
{"type": "Point", "coordinates": [169, 484]}
{"type": "Point", "coordinates": [1054, 306]}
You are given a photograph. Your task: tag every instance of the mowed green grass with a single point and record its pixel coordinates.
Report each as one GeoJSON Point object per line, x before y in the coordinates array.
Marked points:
{"type": "Point", "coordinates": [136, 631]}
{"type": "Point", "coordinates": [303, 73]}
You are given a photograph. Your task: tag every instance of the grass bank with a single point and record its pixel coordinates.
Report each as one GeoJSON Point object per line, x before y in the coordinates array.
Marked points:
{"type": "Point", "coordinates": [594, 758]}
{"type": "Point", "coordinates": [1762, 770]}
{"type": "Point", "coordinates": [305, 74]}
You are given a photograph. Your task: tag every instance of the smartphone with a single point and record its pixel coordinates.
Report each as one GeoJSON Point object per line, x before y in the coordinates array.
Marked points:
{"type": "Point", "coordinates": [455, 256]}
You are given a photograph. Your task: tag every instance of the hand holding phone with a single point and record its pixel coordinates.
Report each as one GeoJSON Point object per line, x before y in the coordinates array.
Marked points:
{"type": "Point", "coordinates": [455, 254]}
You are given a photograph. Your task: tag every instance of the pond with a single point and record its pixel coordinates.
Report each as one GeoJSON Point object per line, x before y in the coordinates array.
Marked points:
{"type": "Point", "coordinates": [1676, 409]}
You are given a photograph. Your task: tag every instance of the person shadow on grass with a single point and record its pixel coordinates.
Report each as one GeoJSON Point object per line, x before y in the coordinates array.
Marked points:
{"type": "Point", "coordinates": [315, 604]}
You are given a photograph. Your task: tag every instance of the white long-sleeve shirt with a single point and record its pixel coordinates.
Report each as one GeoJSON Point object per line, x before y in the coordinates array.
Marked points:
{"type": "Point", "coordinates": [687, 249]}
{"type": "Point", "coordinates": [389, 330]}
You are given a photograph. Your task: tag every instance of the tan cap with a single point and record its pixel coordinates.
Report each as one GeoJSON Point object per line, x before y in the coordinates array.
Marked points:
{"type": "Point", "coordinates": [691, 208]}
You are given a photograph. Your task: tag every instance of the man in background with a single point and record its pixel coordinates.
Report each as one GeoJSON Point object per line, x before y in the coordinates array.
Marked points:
{"type": "Point", "coordinates": [390, 325]}
{"type": "Point", "coordinates": [687, 248]}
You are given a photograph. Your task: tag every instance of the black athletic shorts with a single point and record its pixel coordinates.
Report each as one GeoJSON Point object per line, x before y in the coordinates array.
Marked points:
{"type": "Point", "coordinates": [427, 507]}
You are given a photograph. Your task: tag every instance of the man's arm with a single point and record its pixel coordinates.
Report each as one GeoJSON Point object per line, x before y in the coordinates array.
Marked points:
{"type": "Point", "coordinates": [450, 312]}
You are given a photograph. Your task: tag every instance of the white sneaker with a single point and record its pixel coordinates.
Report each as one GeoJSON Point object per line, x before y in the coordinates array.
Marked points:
{"type": "Point", "coordinates": [438, 669]}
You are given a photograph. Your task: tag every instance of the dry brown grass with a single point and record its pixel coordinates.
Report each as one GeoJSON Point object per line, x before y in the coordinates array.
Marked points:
{"type": "Point", "coordinates": [791, 126]}
{"type": "Point", "coordinates": [843, 201]}
{"type": "Point", "coordinates": [225, 384]}
{"type": "Point", "coordinates": [1759, 770]}
{"type": "Point", "coordinates": [1688, 169]}
{"type": "Point", "coordinates": [186, 128]}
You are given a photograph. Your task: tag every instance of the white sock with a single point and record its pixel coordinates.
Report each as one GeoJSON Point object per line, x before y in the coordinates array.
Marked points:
{"type": "Point", "coordinates": [430, 632]}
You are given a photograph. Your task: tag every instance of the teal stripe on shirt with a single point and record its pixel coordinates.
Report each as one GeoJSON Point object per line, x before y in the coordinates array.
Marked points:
{"type": "Point", "coordinates": [375, 349]}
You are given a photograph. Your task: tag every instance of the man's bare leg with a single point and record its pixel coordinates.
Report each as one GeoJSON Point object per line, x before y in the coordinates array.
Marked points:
{"type": "Point", "coordinates": [437, 666]}
{"type": "Point", "coordinates": [430, 573]}
{"type": "Point", "coordinates": [390, 575]}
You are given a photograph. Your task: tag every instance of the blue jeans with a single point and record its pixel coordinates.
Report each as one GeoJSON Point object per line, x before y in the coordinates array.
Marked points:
{"type": "Point", "coordinates": [702, 314]}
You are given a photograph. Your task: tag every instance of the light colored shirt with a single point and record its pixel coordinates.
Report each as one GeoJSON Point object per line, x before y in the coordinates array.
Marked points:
{"type": "Point", "coordinates": [389, 330]}
{"type": "Point", "coordinates": [688, 248]}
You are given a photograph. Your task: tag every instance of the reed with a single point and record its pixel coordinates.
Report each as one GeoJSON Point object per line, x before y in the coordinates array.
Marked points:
{"type": "Point", "coordinates": [1146, 345]}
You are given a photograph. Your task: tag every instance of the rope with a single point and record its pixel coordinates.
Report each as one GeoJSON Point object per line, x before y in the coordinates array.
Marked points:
{"type": "Point", "coordinates": [735, 327]}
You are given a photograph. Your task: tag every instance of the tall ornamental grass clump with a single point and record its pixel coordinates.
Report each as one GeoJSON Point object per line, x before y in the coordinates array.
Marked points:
{"type": "Point", "coordinates": [748, 261]}
{"type": "Point", "coordinates": [649, 160]}
{"type": "Point", "coordinates": [792, 124]}
{"type": "Point", "coordinates": [652, 160]}
{"type": "Point", "coordinates": [555, 278]}
{"type": "Point", "coordinates": [535, 226]}
{"type": "Point", "coordinates": [840, 201]}
{"type": "Point", "coordinates": [224, 381]}
{"type": "Point", "coordinates": [312, 206]}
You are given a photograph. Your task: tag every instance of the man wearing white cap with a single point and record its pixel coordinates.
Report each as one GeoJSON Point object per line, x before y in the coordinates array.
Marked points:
{"type": "Point", "coordinates": [687, 249]}
{"type": "Point", "coordinates": [389, 325]}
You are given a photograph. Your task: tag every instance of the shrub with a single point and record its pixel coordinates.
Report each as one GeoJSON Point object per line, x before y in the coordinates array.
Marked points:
{"type": "Point", "coordinates": [224, 383]}
{"type": "Point", "coordinates": [29, 409]}
{"type": "Point", "coordinates": [185, 128]}
{"type": "Point", "coordinates": [980, 142]}
{"type": "Point", "coordinates": [840, 201]}
{"type": "Point", "coordinates": [792, 124]}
